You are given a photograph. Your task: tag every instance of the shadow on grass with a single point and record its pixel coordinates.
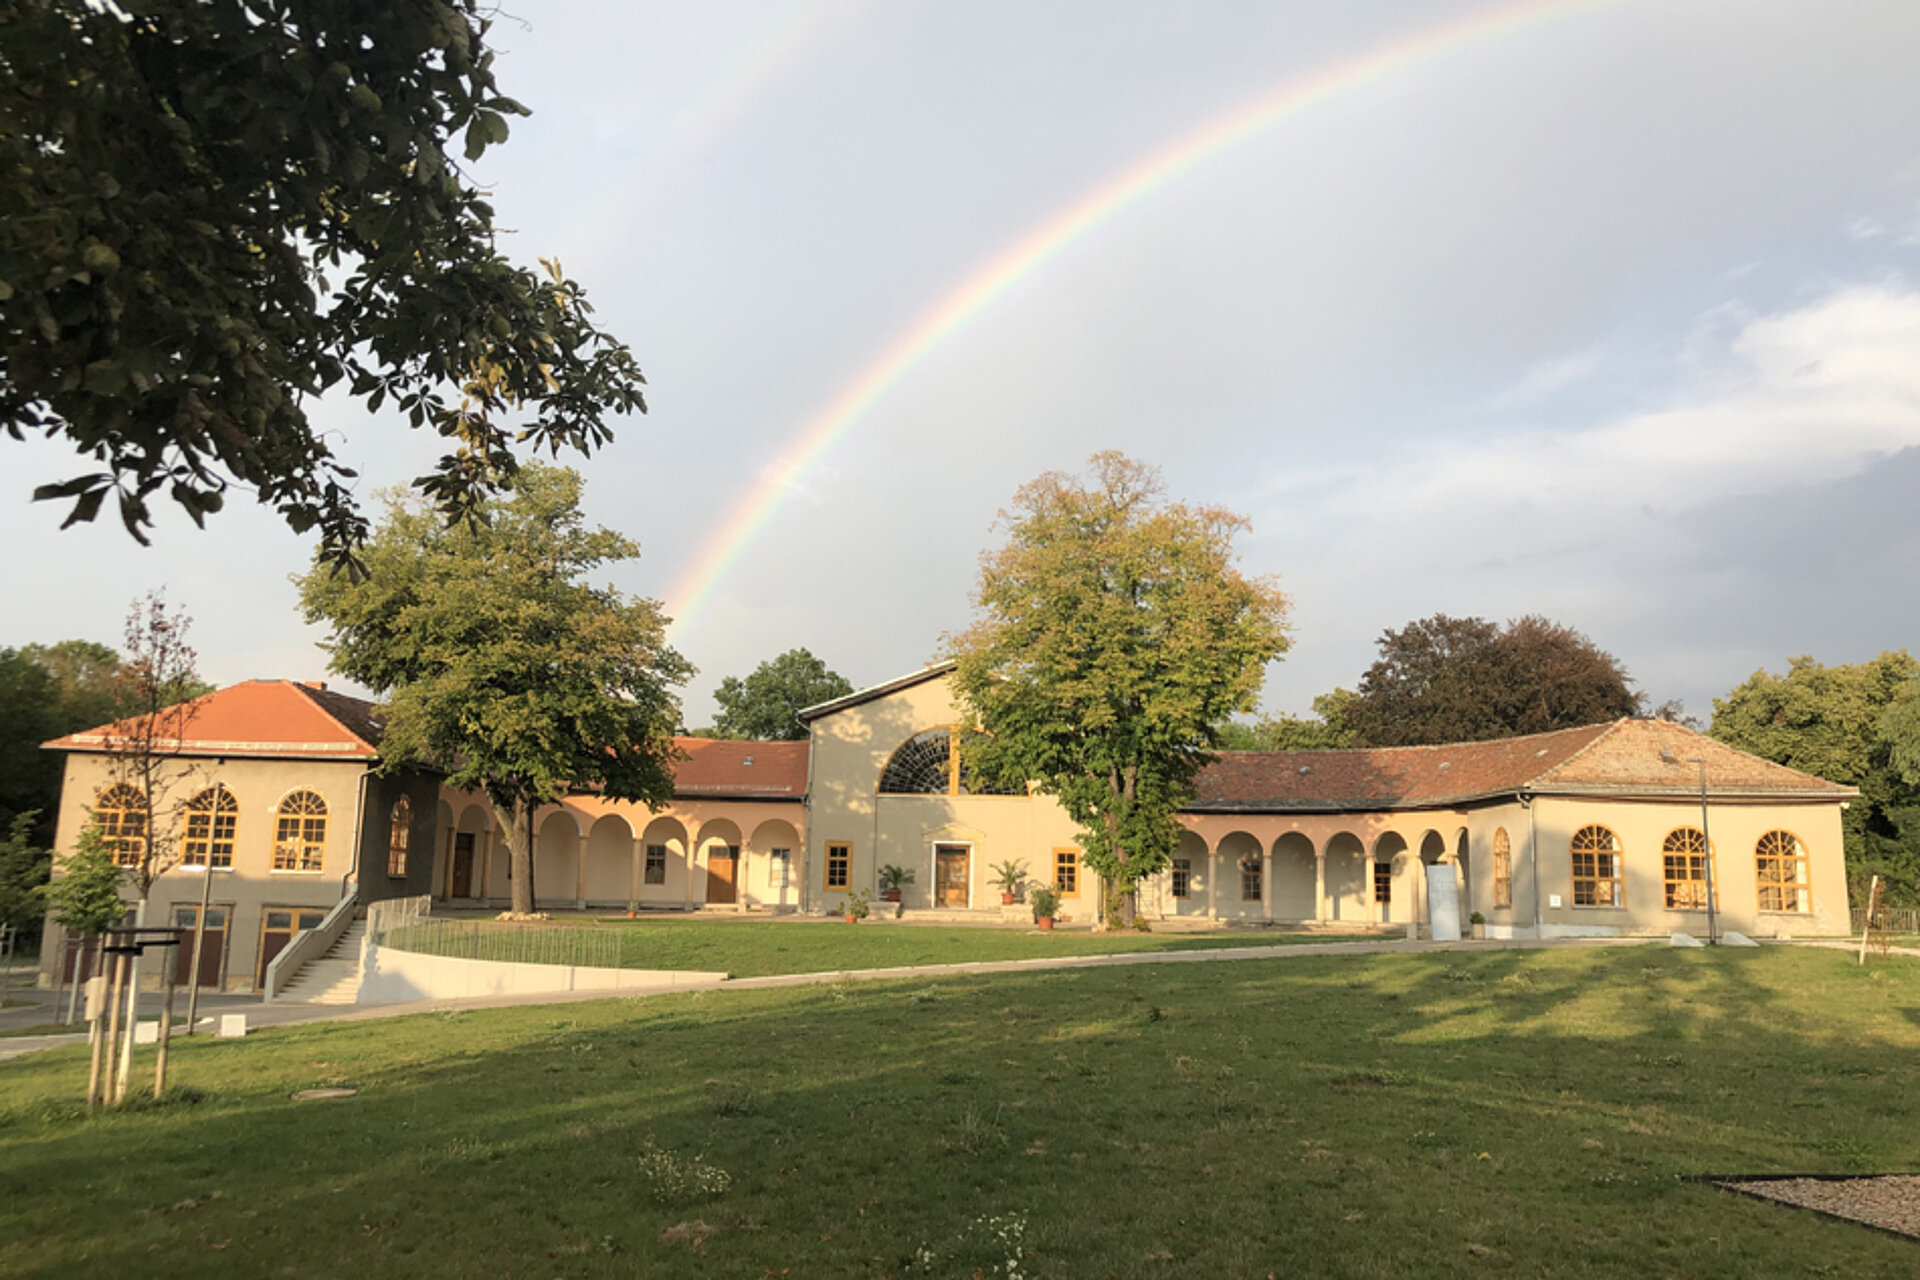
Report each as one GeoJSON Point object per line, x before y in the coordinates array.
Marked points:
{"type": "Point", "coordinates": [1335, 1116]}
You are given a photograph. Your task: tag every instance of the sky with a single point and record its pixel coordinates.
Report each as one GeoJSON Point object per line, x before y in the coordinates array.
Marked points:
{"type": "Point", "coordinates": [1607, 311]}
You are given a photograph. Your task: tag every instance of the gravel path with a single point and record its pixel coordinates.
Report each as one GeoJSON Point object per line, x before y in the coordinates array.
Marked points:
{"type": "Point", "coordinates": [1889, 1201]}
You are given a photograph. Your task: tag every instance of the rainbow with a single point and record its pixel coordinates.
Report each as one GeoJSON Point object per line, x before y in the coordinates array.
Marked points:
{"type": "Point", "coordinates": [692, 590]}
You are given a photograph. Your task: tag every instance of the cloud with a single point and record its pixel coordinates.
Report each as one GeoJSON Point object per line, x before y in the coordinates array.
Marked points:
{"type": "Point", "coordinates": [1864, 228]}
{"type": "Point", "coordinates": [1547, 379]}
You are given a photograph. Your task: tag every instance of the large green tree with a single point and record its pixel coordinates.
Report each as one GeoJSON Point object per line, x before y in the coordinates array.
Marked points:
{"type": "Point", "coordinates": [1847, 723]}
{"type": "Point", "coordinates": [766, 704]}
{"type": "Point", "coordinates": [1445, 679]}
{"type": "Point", "coordinates": [1325, 730]}
{"type": "Point", "coordinates": [499, 661]}
{"type": "Point", "coordinates": [212, 211]}
{"type": "Point", "coordinates": [1112, 632]}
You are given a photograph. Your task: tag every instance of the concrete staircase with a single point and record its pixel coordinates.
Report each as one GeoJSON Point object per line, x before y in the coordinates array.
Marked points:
{"type": "Point", "coordinates": [332, 979]}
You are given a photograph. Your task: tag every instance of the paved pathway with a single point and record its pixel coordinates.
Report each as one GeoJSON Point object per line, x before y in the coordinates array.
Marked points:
{"type": "Point", "coordinates": [280, 1015]}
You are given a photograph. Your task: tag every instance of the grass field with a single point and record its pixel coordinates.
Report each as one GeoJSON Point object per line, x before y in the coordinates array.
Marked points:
{"type": "Point", "coordinates": [757, 948]}
{"type": "Point", "coordinates": [1495, 1113]}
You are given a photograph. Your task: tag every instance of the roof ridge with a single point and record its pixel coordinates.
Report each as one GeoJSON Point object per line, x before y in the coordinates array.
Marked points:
{"type": "Point", "coordinates": [1590, 744]}
{"type": "Point", "coordinates": [308, 691]}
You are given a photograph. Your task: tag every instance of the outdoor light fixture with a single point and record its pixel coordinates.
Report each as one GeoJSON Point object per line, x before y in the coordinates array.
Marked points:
{"type": "Point", "coordinates": [1706, 838]}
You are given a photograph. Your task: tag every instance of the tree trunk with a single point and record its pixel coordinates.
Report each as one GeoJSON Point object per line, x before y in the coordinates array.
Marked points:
{"type": "Point", "coordinates": [1122, 907]}
{"type": "Point", "coordinates": [520, 857]}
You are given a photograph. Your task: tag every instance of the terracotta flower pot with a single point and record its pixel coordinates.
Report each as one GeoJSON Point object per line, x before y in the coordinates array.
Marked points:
{"type": "Point", "coordinates": [1006, 899]}
{"type": "Point", "coordinates": [892, 895]}
{"type": "Point", "coordinates": [852, 918]}
{"type": "Point", "coordinates": [1045, 923]}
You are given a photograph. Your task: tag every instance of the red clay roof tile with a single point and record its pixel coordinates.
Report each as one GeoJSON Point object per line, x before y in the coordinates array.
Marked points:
{"type": "Point", "coordinates": [1622, 758]}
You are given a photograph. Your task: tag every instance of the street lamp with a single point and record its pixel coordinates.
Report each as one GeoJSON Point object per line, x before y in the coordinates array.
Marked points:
{"type": "Point", "coordinates": [1706, 838]}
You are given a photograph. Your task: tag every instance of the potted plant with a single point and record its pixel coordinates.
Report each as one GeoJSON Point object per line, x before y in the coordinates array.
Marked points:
{"type": "Point", "coordinates": [892, 880]}
{"type": "Point", "coordinates": [1010, 876]}
{"type": "Point", "coordinates": [857, 905]}
{"type": "Point", "coordinates": [1478, 923]}
{"type": "Point", "coordinates": [1045, 900]}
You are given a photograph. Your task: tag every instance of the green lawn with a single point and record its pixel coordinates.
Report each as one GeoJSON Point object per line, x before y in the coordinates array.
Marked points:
{"type": "Point", "coordinates": [757, 948]}
{"type": "Point", "coordinates": [1499, 1113]}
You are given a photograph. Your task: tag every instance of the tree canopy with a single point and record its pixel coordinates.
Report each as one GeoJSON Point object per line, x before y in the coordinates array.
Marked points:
{"type": "Point", "coordinates": [1444, 679]}
{"type": "Point", "coordinates": [1112, 632]}
{"type": "Point", "coordinates": [1325, 730]}
{"type": "Point", "coordinates": [212, 211]}
{"type": "Point", "coordinates": [499, 662]}
{"type": "Point", "coordinates": [1846, 723]}
{"type": "Point", "coordinates": [765, 705]}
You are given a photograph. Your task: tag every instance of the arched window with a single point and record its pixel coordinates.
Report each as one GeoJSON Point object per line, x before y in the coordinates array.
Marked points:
{"type": "Point", "coordinates": [211, 818]}
{"type": "Point", "coordinates": [1502, 868]}
{"type": "Point", "coordinates": [399, 833]}
{"type": "Point", "coordinates": [1683, 869]}
{"type": "Point", "coordinates": [300, 832]}
{"type": "Point", "coordinates": [1780, 864]}
{"type": "Point", "coordinates": [121, 813]}
{"type": "Point", "coordinates": [932, 763]}
{"type": "Point", "coordinates": [1598, 877]}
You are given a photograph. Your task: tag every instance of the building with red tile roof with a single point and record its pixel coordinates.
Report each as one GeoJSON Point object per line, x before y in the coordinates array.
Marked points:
{"type": "Point", "coordinates": [1591, 831]}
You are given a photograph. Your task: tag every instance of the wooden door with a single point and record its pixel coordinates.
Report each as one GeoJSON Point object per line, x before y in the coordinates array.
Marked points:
{"type": "Point", "coordinates": [723, 867]}
{"type": "Point", "coordinates": [277, 928]}
{"type": "Point", "coordinates": [213, 946]}
{"type": "Point", "coordinates": [951, 864]}
{"type": "Point", "coordinates": [462, 866]}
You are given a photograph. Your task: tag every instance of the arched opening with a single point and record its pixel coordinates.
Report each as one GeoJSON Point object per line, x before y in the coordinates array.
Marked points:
{"type": "Point", "coordinates": [556, 860]}
{"type": "Point", "coordinates": [773, 864]}
{"type": "Point", "coordinates": [1293, 874]}
{"type": "Point", "coordinates": [1349, 879]}
{"type": "Point", "coordinates": [1396, 896]}
{"type": "Point", "coordinates": [609, 861]}
{"type": "Point", "coordinates": [471, 872]}
{"type": "Point", "coordinates": [1241, 869]}
{"type": "Point", "coordinates": [664, 866]}
{"type": "Point", "coordinates": [717, 851]}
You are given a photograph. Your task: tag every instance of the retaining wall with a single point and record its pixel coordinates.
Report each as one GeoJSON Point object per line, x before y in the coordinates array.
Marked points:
{"type": "Point", "coordinates": [393, 976]}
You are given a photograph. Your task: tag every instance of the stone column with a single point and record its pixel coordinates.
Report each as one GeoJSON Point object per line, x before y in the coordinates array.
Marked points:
{"type": "Point", "coordinates": [693, 862]}
{"type": "Point", "coordinates": [633, 890]}
{"type": "Point", "coordinates": [580, 872]}
{"type": "Point", "coordinates": [1266, 883]}
{"type": "Point", "coordinates": [1213, 888]}
{"type": "Point", "coordinates": [1320, 884]}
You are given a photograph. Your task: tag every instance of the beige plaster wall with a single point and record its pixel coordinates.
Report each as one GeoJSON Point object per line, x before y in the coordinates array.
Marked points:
{"type": "Point", "coordinates": [591, 852]}
{"type": "Point", "coordinates": [251, 887]}
{"type": "Point", "coordinates": [851, 749]}
{"type": "Point", "coordinates": [1735, 828]}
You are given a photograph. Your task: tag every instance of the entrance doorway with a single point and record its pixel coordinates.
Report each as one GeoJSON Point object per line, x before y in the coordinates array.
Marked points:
{"type": "Point", "coordinates": [213, 946]}
{"type": "Point", "coordinates": [723, 873]}
{"type": "Point", "coordinates": [462, 866]}
{"type": "Point", "coordinates": [277, 928]}
{"type": "Point", "coordinates": [952, 864]}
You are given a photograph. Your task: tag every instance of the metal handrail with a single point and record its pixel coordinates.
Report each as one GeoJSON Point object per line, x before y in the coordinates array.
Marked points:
{"type": "Point", "coordinates": [310, 944]}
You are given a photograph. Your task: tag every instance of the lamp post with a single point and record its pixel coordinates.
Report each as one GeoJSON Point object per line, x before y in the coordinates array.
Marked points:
{"type": "Point", "coordinates": [206, 899]}
{"type": "Point", "coordinates": [1706, 838]}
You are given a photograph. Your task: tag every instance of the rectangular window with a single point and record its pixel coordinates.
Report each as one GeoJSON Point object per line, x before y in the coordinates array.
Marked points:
{"type": "Point", "coordinates": [1597, 880]}
{"type": "Point", "coordinates": [656, 869]}
{"type": "Point", "coordinates": [209, 830]}
{"type": "Point", "coordinates": [782, 868]}
{"type": "Point", "coordinates": [839, 866]}
{"type": "Point", "coordinates": [1182, 878]}
{"type": "Point", "coordinates": [1383, 882]}
{"type": "Point", "coordinates": [1250, 880]}
{"type": "Point", "coordinates": [1685, 875]}
{"type": "Point", "coordinates": [1066, 872]}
